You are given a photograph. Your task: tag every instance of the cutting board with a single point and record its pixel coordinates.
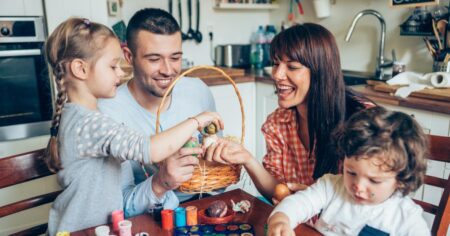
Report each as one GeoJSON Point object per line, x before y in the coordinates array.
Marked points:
{"type": "Point", "coordinates": [207, 73]}
{"type": "Point", "coordinates": [441, 94]}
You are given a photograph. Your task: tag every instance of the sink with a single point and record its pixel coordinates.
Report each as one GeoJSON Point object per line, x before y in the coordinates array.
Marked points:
{"type": "Point", "coordinates": [356, 77]}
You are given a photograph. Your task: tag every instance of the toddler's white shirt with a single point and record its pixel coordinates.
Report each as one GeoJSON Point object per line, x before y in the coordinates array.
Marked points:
{"type": "Point", "coordinates": [342, 216]}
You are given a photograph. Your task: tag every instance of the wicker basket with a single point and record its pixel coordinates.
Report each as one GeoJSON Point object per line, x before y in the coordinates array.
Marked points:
{"type": "Point", "coordinates": [209, 176]}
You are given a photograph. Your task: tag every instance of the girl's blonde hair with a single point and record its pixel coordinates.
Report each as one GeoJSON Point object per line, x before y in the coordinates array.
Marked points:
{"type": "Point", "coordinates": [75, 38]}
{"type": "Point", "coordinates": [394, 137]}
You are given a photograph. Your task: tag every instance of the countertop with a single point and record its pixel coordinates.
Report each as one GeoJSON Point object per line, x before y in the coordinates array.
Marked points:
{"type": "Point", "coordinates": [410, 102]}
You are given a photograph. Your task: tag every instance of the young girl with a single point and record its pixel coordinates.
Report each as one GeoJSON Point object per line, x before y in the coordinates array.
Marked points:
{"type": "Point", "coordinates": [384, 161]}
{"type": "Point", "coordinates": [87, 147]}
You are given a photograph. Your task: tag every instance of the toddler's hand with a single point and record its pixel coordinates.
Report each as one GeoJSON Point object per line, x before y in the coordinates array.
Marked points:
{"type": "Point", "coordinates": [206, 118]}
{"type": "Point", "coordinates": [279, 228]}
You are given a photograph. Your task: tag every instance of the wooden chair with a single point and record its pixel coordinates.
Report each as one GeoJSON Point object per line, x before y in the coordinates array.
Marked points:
{"type": "Point", "coordinates": [439, 151]}
{"type": "Point", "coordinates": [19, 169]}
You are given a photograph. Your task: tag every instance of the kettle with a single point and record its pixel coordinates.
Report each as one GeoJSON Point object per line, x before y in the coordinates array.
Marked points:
{"type": "Point", "coordinates": [232, 55]}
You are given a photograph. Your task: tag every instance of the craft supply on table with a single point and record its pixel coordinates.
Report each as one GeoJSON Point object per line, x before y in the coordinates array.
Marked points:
{"type": "Point", "coordinates": [180, 216]}
{"type": "Point", "coordinates": [63, 233]}
{"type": "Point", "coordinates": [242, 206]}
{"type": "Point", "coordinates": [125, 228]}
{"type": "Point", "coordinates": [116, 217]}
{"type": "Point", "coordinates": [167, 219]}
{"type": "Point", "coordinates": [217, 209]}
{"type": "Point", "coordinates": [102, 230]}
{"type": "Point", "coordinates": [155, 211]}
{"type": "Point", "coordinates": [191, 215]}
{"type": "Point", "coordinates": [242, 229]}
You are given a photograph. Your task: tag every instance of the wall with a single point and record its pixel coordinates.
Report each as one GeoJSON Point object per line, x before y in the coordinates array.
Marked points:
{"type": "Point", "coordinates": [361, 52]}
{"type": "Point", "coordinates": [228, 26]}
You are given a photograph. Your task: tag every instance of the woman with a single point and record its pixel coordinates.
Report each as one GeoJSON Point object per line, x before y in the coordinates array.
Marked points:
{"type": "Point", "coordinates": [312, 101]}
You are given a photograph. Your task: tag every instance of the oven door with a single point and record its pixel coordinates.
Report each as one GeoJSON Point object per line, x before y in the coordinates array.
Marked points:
{"type": "Point", "coordinates": [25, 94]}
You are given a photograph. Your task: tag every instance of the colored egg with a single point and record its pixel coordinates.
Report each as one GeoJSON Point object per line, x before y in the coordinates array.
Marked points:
{"type": "Point", "coordinates": [281, 191]}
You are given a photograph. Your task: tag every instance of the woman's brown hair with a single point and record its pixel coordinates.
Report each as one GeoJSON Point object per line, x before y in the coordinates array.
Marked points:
{"type": "Point", "coordinates": [72, 39]}
{"type": "Point", "coordinates": [394, 137]}
{"type": "Point", "coordinates": [315, 47]}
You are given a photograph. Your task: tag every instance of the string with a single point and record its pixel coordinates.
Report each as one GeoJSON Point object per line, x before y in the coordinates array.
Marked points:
{"type": "Point", "coordinates": [142, 164]}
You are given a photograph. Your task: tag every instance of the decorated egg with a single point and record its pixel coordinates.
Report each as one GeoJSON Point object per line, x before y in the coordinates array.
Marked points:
{"type": "Point", "coordinates": [217, 209]}
{"type": "Point", "coordinates": [191, 143]}
{"type": "Point", "coordinates": [281, 191]}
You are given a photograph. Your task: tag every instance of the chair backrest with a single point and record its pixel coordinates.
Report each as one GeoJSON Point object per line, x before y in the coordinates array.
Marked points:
{"type": "Point", "coordinates": [439, 151]}
{"type": "Point", "coordinates": [21, 168]}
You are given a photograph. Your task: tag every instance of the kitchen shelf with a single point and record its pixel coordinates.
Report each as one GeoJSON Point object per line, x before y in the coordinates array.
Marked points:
{"type": "Point", "coordinates": [246, 6]}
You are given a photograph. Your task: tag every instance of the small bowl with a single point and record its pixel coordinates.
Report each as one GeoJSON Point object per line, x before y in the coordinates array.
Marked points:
{"type": "Point", "coordinates": [205, 219]}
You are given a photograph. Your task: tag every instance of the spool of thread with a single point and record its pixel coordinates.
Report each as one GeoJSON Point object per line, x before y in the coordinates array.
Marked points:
{"type": "Point", "coordinates": [125, 228]}
{"type": "Point", "coordinates": [116, 217]}
{"type": "Point", "coordinates": [180, 217]}
{"type": "Point", "coordinates": [167, 219]}
{"type": "Point", "coordinates": [191, 215]}
{"type": "Point", "coordinates": [156, 211]}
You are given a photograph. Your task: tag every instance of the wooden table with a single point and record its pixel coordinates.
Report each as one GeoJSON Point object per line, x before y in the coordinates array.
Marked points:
{"type": "Point", "coordinates": [257, 216]}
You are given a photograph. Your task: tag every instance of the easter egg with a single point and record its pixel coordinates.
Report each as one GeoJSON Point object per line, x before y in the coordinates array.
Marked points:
{"type": "Point", "coordinates": [281, 191]}
{"type": "Point", "coordinates": [191, 143]}
{"type": "Point", "coordinates": [217, 209]}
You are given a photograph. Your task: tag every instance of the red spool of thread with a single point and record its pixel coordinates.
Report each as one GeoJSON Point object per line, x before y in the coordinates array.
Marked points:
{"type": "Point", "coordinates": [191, 215]}
{"type": "Point", "coordinates": [116, 217]}
{"type": "Point", "coordinates": [167, 219]}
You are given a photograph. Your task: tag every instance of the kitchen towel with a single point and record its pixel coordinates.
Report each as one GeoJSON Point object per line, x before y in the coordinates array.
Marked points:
{"type": "Point", "coordinates": [440, 79]}
{"type": "Point", "coordinates": [415, 82]}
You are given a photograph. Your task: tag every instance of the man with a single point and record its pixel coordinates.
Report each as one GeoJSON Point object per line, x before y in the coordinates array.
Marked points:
{"type": "Point", "coordinates": [154, 51]}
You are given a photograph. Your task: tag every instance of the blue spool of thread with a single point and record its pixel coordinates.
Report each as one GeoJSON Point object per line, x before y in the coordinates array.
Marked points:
{"type": "Point", "coordinates": [180, 217]}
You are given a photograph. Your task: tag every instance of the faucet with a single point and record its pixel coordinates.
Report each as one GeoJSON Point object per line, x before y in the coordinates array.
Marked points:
{"type": "Point", "coordinates": [382, 62]}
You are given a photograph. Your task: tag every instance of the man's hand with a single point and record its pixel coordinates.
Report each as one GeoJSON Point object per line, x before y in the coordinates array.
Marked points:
{"type": "Point", "coordinates": [175, 170]}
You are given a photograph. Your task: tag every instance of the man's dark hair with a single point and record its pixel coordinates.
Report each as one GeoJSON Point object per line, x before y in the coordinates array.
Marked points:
{"type": "Point", "coordinates": [154, 20]}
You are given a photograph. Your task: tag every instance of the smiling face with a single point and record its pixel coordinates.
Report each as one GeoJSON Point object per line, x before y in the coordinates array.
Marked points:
{"type": "Point", "coordinates": [292, 80]}
{"type": "Point", "coordinates": [106, 71]}
{"type": "Point", "coordinates": [157, 61]}
{"type": "Point", "coordinates": [367, 181]}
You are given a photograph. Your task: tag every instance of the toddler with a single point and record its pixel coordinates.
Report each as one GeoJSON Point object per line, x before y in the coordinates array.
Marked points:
{"type": "Point", "coordinates": [384, 160]}
{"type": "Point", "coordinates": [86, 147]}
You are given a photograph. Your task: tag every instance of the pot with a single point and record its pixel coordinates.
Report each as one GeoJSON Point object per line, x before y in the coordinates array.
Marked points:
{"type": "Point", "coordinates": [232, 55]}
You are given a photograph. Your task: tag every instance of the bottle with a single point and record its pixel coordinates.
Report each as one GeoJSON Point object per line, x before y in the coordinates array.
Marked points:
{"type": "Point", "coordinates": [258, 53]}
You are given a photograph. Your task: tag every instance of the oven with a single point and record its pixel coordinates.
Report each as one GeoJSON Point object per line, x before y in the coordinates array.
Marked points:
{"type": "Point", "coordinates": [26, 92]}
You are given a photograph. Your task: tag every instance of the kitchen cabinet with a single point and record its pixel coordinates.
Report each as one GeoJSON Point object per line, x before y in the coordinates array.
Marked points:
{"type": "Point", "coordinates": [266, 103]}
{"type": "Point", "coordinates": [436, 124]}
{"type": "Point", "coordinates": [227, 105]}
{"type": "Point", "coordinates": [19, 8]}
{"type": "Point", "coordinates": [59, 10]}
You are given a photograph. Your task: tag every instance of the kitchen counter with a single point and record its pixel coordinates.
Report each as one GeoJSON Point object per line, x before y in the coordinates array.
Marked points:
{"type": "Point", "coordinates": [249, 76]}
{"type": "Point", "coordinates": [411, 102]}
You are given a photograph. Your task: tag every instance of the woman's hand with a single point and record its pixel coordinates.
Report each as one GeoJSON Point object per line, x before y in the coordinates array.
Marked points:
{"type": "Point", "coordinates": [228, 152]}
{"type": "Point", "coordinates": [206, 118]}
{"type": "Point", "coordinates": [279, 225]}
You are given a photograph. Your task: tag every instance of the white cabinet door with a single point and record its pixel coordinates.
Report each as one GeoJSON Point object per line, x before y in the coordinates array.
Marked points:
{"type": "Point", "coordinates": [227, 105]}
{"type": "Point", "coordinates": [60, 10]}
{"type": "Point", "coordinates": [21, 8]}
{"type": "Point", "coordinates": [266, 103]}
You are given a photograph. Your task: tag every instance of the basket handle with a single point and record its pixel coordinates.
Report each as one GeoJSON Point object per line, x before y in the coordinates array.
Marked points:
{"type": "Point", "coordinates": [197, 68]}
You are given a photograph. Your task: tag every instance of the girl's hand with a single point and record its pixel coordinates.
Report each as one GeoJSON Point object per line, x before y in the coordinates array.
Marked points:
{"type": "Point", "coordinates": [279, 225]}
{"type": "Point", "coordinates": [206, 118]}
{"type": "Point", "coordinates": [228, 152]}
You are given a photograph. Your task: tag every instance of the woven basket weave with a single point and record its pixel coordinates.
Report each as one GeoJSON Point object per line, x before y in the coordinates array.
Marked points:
{"type": "Point", "coordinates": [209, 176]}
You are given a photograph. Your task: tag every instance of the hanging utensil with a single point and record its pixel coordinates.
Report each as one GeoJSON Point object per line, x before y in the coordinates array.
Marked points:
{"type": "Point", "coordinates": [190, 31]}
{"type": "Point", "coordinates": [170, 6]}
{"type": "Point", "coordinates": [291, 16]}
{"type": "Point", "coordinates": [197, 35]}
{"type": "Point", "coordinates": [436, 34]}
{"type": "Point", "coordinates": [180, 16]}
{"type": "Point", "coordinates": [300, 7]}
